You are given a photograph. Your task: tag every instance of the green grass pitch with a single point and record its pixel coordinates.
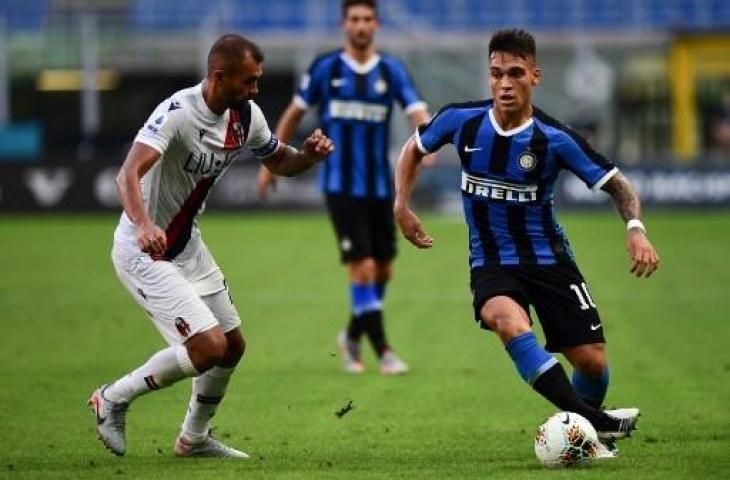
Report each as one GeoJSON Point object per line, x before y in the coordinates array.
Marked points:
{"type": "Point", "coordinates": [68, 325]}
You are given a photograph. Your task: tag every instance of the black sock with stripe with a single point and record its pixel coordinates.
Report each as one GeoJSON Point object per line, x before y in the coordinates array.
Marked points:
{"type": "Point", "coordinates": [554, 385]}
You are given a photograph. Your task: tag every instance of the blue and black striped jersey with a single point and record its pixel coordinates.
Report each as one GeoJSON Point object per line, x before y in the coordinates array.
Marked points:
{"type": "Point", "coordinates": [507, 180]}
{"type": "Point", "coordinates": [355, 104]}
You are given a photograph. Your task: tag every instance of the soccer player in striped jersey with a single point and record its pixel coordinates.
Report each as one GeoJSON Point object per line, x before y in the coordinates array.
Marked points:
{"type": "Point", "coordinates": [511, 154]}
{"type": "Point", "coordinates": [355, 88]}
{"type": "Point", "coordinates": [187, 144]}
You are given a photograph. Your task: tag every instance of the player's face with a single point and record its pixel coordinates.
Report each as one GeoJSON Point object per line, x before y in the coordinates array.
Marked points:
{"type": "Point", "coordinates": [360, 24]}
{"type": "Point", "coordinates": [511, 80]}
{"type": "Point", "coordinates": [241, 82]}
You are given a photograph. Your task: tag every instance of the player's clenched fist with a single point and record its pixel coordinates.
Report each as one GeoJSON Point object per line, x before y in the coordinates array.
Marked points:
{"type": "Point", "coordinates": [151, 238]}
{"type": "Point", "coordinates": [317, 146]}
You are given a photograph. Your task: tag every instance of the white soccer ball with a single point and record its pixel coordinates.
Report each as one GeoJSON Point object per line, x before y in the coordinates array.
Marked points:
{"type": "Point", "coordinates": [566, 439]}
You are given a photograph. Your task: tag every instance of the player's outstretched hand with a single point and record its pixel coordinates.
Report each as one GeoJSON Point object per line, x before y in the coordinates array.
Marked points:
{"type": "Point", "coordinates": [317, 146]}
{"type": "Point", "coordinates": [265, 181]}
{"type": "Point", "coordinates": [644, 259]}
{"type": "Point", "coordinates": [410, 225]}
{"type": "Point", "coordinates": [151, 238]}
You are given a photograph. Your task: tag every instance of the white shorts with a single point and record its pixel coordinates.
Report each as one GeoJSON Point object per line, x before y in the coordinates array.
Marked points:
{"type": "Point", "coordinates": [181, 297]}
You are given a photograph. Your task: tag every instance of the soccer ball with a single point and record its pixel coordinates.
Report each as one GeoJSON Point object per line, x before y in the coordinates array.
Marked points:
{"type": "Point", "coordinates": [566, 439]}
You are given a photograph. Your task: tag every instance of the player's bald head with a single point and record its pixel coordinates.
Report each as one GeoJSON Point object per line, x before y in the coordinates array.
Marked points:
{"type": "Point", "coordinates": [231, 50]}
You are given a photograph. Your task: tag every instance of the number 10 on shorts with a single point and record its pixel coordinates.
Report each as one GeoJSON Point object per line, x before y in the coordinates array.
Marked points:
{"type": "Point", "coordinates": [586, 302]}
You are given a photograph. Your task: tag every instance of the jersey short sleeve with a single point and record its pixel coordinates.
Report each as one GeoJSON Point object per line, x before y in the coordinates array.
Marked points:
{"type": "Point", "coordinates": [163, 125]}
{"type": "Point", "coordinates": [438, 131]}
{"type": "Point", "coordinates": [260, 139]}
{"type": "Point", "coordinates": [405, 91]}
{"type": "Point", "coordinates": [311, 85]}
{"type": "Point", "coordinates": [590, 166]}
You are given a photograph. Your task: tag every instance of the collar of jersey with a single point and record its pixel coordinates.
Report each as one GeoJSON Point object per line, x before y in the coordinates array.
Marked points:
{"type": "Point", "coordinates": [208, 114]}
{"type": "Point", "coordinates": [360, 68]}
{"type": "Point", "coordinates": [508, 133]}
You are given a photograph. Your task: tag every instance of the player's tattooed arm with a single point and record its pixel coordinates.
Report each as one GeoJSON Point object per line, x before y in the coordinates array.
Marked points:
{"type": "Point", "coordinates": [624, 196]}
{"type": "Point", "coordinates": [289, 161]}
{"type": "Point", "coordinates": [644, 258]}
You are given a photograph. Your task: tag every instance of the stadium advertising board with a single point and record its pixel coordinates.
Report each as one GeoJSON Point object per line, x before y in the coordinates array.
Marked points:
{"type": "Point", "coordinates": [82, 186]}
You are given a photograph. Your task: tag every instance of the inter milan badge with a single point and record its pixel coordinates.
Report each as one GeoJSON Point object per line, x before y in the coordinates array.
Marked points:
{"type": "Point", "coordinates": [527, 160]}
{"type": "Point", "coordinates": [381, 86]}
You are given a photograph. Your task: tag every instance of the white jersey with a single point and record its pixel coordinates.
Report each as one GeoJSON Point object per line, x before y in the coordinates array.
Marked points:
{"type": "Point", "coordinates": [197, 146]}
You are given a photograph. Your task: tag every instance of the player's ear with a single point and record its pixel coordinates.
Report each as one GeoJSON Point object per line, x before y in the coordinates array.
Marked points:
{"type": "Point", "coordinates": [536, 76]}
{"type": "Point", "coordinates": [218, 75]}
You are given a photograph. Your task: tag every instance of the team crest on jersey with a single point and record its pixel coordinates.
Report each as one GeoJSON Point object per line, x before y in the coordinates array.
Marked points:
{"type": "Point", "coordinates": [183, 327]}
{"type": "Point", "coordinates": [527, 161]}
{"type": "Point", "coordinates": [381, 86]}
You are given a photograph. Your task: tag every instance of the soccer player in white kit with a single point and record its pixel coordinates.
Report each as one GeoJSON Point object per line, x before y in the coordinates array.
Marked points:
{"type": "Point", "coordinates": [188, 142]}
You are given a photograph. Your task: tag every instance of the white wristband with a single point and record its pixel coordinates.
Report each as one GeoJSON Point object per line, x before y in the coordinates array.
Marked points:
{"type": "Point", "coordinates": [635, 223]}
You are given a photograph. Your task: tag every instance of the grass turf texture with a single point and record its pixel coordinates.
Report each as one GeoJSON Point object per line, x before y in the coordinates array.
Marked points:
{"type": "Point", "coordinates": [463, 412]}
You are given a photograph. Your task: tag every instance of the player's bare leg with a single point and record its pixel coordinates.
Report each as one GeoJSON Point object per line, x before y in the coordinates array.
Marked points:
{"type": "Point", "coordinates": [590, 374]}
{"type": "Point", "coordinates": [509, 320]}
{"type": "Point", "coordinates": [110, 403]}
{"type": "Point", "coordinates": [590, 380]}
{"type": "Point", "coordinates": [209, 389]}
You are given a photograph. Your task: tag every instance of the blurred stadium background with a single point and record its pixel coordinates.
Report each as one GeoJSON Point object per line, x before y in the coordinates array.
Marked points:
{"type": "Point", "coordinates": [648, 82]}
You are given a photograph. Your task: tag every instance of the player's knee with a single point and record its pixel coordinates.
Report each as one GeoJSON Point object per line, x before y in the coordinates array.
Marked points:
{"type": "Point", "coordinates": [503, 319]}
{"type": "Point", "coordinates": [207, 349]}
{"type": "Point", "coordinates": [383, 272]}
{"type": "Point", "coordinates": [363, 271]}
{"type": "Point", "coordinates": [590, 360]}
{"type": "Point", "coordinates": [218, 349]}
{"type": "Point", "coordinates": [235, 351]}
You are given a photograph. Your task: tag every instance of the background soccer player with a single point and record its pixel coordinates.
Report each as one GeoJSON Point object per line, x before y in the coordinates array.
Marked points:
{"type": "Point", "coordinates": [186, 145]}
{"type": "Point", "coordinates": [511, 153]}
{"type": "Point", "coordinates": [356, 87]}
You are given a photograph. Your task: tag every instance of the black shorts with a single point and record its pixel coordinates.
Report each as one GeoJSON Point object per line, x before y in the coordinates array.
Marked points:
{"type": "Point", "coordinates": [365, 227]}
{"type": "Point", "coordinates": [558, 293]}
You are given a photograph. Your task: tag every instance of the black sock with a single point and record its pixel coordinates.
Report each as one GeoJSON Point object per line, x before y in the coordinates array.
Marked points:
{"type": "Point", "coordinates": [355, 328]}
{"type": "Point", "coordinates": [372, 323]}
{"type": "Point", "coordinates": [554, 385]}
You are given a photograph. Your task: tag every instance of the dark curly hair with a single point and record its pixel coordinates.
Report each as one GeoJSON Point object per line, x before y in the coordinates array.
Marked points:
{"type": "Point", "coordinates": [515, 41]}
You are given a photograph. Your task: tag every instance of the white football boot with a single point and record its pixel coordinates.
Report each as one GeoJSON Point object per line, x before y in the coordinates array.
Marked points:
{"type": "Point", "coordinates": [628, 418]}
{"type": "Point", "coordinates": [110, 420]}
{"type": "Point", "coordinates": [604, 451]}
{"type": "Point", "coordinates": [350, 353]}
{"type": "Point", "coordinates": [210, 447]}
{"type": "Point", "coordinates": [390, 364]}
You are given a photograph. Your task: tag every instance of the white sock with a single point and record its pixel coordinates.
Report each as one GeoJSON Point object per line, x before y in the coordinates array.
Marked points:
{"type": "Point", "coordinates": [162, 370]}
{"type": "Point", "coordinates": [208, 391]}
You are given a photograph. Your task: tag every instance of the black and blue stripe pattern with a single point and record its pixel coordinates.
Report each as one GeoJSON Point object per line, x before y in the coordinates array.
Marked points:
{"type": "Point", "coordinates": [355, 105]}
{"type": "Point", "coordinates": [508, 179]}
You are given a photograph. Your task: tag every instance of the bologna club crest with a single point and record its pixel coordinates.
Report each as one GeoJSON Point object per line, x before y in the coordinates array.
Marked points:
{"type": "Point", "coordinates": [182, 326]}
